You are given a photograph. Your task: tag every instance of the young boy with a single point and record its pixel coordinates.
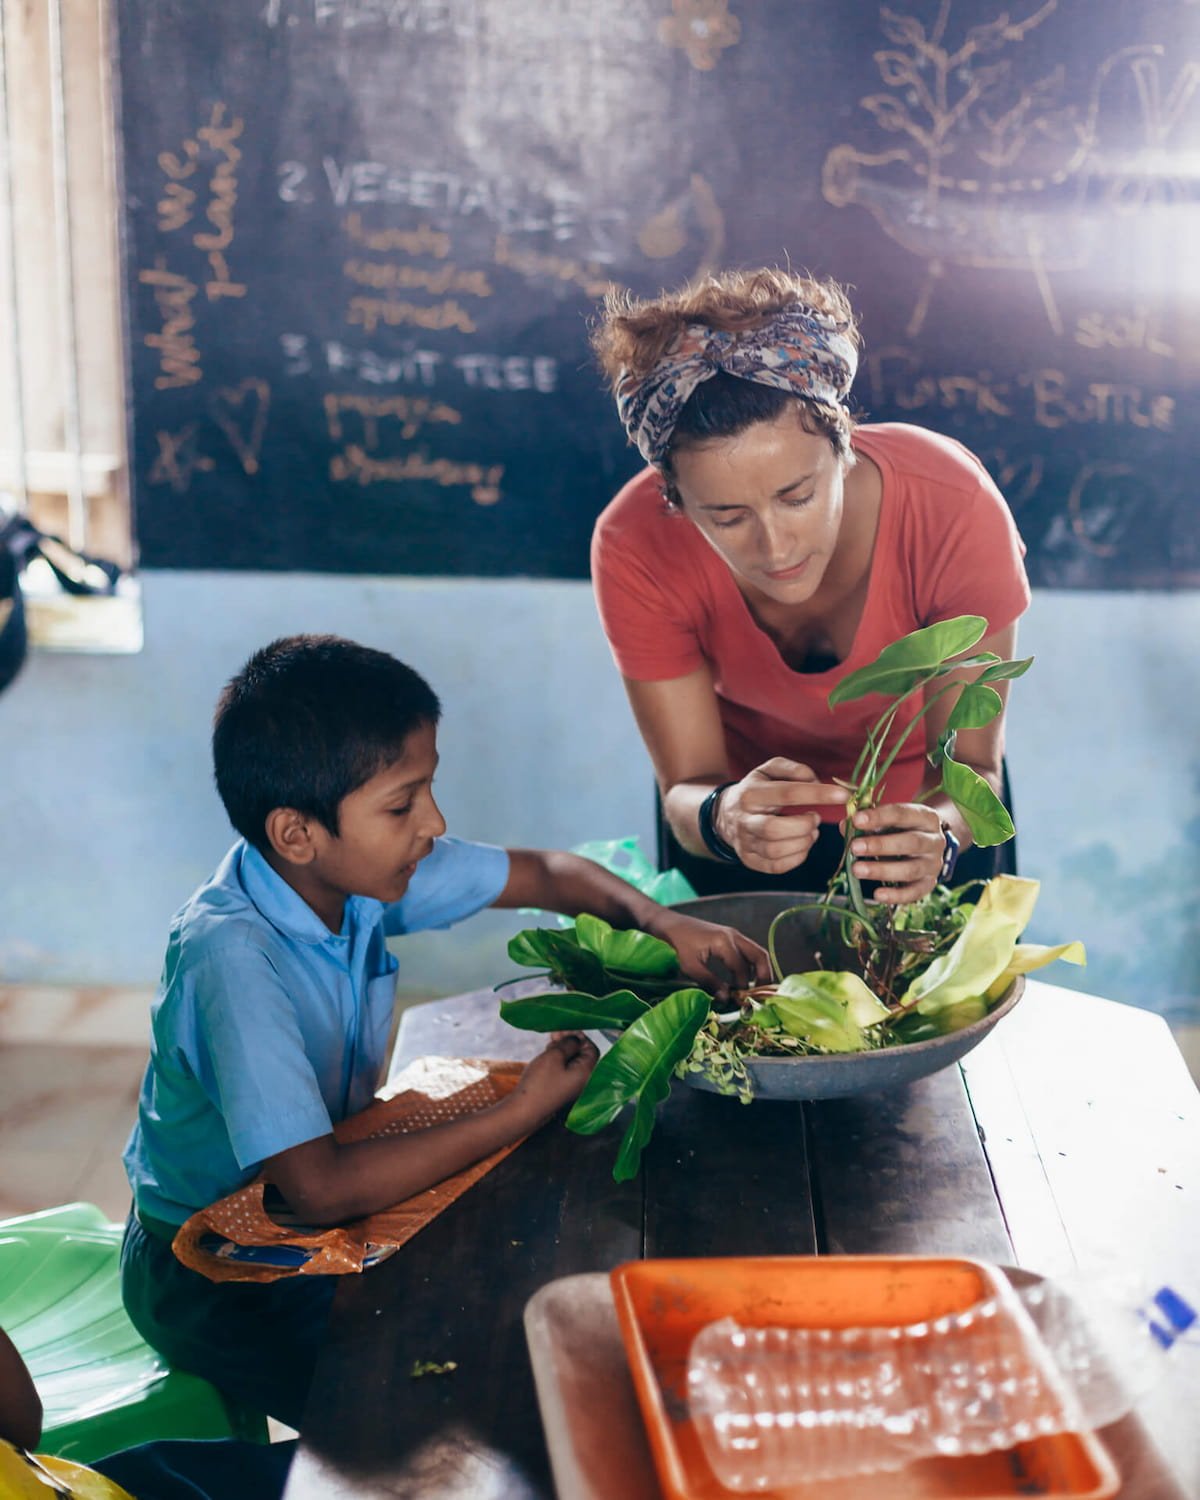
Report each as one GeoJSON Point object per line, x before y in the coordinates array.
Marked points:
{"type": "Point", "coordinates": [275, 1005]}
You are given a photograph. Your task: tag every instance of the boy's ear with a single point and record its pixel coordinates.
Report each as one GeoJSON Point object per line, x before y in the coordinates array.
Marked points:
{"type": "Point", "coordinates": [290, 834]}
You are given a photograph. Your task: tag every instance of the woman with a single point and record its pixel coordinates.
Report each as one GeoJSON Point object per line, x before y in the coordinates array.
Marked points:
{"type": "Point", "coordinates": [771, 548]}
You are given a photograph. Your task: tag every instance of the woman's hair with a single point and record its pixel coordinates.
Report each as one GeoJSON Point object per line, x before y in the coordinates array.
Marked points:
{"type": "Point", "coordinates": [307, 721]}
{"type": "Point", "coordinates": [634, 334]}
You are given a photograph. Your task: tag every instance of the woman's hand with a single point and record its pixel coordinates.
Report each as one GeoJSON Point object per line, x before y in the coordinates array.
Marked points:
{"type": "Point", "coordinates": [902, 845]}
{"type": "Point", "coordinates": [718, 958]}
{"type": "Point", "coordinates": [754, 815]}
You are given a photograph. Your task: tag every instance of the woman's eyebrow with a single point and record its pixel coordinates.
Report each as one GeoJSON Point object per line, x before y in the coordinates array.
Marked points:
{"type": "Point", "coordinates": [784, 490]}
{"type": "Point", "coordinates": [795, 485]}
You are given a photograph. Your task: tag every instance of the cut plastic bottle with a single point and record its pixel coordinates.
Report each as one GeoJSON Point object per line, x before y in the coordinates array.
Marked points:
{"type": "Point", "coordinates": [780, 1406]}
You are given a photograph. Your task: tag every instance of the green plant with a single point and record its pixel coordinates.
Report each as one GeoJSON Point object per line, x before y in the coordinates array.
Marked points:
{"type": "Point", "coordinates": [922, 970]}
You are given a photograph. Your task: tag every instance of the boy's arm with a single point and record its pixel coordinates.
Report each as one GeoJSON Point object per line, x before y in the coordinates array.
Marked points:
{"type": "Point", "coordinates": [568, 883]}
{"type": "Point", "coordinates": [326, 1183]}
{"type": "Point", "coordinates": [20, 1404]}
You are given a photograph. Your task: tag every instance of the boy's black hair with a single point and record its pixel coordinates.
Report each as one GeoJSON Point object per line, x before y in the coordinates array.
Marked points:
{"type": "Point", "coordinates": [306, 721]}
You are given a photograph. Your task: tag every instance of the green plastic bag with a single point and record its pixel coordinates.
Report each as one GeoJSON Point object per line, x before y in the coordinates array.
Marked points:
{"type": "Point", "coordinates": [625, 858]}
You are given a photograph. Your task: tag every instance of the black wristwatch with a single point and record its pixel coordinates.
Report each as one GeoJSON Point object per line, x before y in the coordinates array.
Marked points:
{"type": "Point", "coordinates": [713, 841]}
{"type": "Point", "coordinates": [949, 854]}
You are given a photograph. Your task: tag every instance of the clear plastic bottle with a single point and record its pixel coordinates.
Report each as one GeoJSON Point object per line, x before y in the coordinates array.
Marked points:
{"type": "Point", "coordinates": [780, 1406]}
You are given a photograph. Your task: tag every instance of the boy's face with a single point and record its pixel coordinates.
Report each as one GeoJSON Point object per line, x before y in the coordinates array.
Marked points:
{"type": "Point", "coordinates": [385, 827]}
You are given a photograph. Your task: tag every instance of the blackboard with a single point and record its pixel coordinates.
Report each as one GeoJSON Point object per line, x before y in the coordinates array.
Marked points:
{"type": "Point", "coordinates": [363, 240]}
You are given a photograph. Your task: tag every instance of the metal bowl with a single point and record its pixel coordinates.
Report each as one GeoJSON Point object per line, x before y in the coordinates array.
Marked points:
{"type": "Point", "coordinates": [822, 1077]}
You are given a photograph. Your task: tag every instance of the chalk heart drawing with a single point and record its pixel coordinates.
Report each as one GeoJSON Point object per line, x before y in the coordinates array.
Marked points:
{"type": "Point", "coordinates": [240, 411]}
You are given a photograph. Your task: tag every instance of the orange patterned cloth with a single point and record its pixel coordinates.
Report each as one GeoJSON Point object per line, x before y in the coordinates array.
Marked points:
{"type": "Point", "coordinates": [440, 1089]}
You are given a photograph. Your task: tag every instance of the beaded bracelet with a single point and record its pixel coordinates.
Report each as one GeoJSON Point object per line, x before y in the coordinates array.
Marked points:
{"type": "Point", "coordinates": [713, 841]}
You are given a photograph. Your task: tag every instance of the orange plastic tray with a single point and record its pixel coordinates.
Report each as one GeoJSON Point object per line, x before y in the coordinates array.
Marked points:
{"type": "Point", "coordinates": [662, 1305]}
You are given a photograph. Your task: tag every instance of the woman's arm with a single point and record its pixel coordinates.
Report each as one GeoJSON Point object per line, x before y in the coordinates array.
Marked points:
{"type": "Point", "coordinates": [905, 845]}
{"type": "Point", "coordinates": [681, 726]}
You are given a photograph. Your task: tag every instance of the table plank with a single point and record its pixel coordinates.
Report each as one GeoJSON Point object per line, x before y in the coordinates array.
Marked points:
{"type": "Point", "coordinates": [724, 1178]}
{"type": "Point", "coordinates": [1092, 1127]}
{"type": "Point", "coordinates": [904, 1172]}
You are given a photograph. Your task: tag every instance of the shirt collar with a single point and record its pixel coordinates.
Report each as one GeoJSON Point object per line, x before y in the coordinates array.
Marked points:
{"type": "Point", "coordinates": [287, 910]}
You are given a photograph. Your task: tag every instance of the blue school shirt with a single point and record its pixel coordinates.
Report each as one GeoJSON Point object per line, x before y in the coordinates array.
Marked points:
{"type": "Point", "coordinates": [267, 1027]}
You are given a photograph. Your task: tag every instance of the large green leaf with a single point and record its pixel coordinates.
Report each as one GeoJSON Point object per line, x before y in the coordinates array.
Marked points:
{"type": "Point", "coordinates": [1004, 670]}
{"type": "Point", "coordinates": [572, 1012]}
{"type": "Point", "coordinates": [827, 1009]}
{"type": "Point", "coordinates": [977, 705]}
{"type": "Point", "coordinates": [637, 1068]}
{"type": "Point", "coordinates": [862, 1005]}
{"type": "Point", "coordinates": [530, 947]}
{"type": "Point", "coordinates": [631, 951]}
{"type": "Point", "coordinates": [985, 814]}
{"type": "Point", "coordinates": [899, 667]}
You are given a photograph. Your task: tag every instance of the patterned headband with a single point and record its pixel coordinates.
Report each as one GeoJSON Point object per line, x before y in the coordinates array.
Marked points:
{"type": "Point", "coordinates": [801, 351]}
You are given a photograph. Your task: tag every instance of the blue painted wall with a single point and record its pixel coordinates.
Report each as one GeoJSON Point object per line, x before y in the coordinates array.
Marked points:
{"type": "Point", "coordinates": [108, 818]}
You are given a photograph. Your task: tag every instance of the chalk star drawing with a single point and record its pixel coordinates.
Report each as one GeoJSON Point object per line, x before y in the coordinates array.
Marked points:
{"type": "Point", "coordinates": [178, 459]}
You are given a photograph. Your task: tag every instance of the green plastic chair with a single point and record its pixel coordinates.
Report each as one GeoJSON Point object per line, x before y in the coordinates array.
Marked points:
{"type": "Point", "coordinates": [102, 1386]}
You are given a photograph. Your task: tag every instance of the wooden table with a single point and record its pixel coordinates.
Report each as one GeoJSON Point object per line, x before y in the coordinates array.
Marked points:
{"type": "Point", "coordinates": [1070, 1138]}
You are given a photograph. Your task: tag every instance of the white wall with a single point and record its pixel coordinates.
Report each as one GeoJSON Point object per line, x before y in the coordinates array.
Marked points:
{"type": "Point", "coordinates": [108, 818]}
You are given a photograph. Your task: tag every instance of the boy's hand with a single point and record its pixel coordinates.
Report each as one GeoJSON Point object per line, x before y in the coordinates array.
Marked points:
{"type": "Point", "coordinates": [556, 1076]}
{"type": "Point", "coordinates": [720, 959]}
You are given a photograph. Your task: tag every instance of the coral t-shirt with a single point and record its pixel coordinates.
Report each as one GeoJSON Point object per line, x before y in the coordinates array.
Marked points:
{"type": "Point", "coordinates": [946, 545]}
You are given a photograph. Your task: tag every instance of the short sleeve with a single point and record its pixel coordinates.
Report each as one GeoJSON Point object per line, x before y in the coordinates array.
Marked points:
{"type": "Point", "coordinates": [649, 633]}
{"type": "Point", "coordinates": [978, 561]}
{"type": "Point", "coordinates": [455, 881]}
{"type": "Point", "coordinates": [249, 1056]}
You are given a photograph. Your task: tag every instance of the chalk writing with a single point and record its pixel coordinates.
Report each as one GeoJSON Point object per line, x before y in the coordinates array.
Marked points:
{"type": "Point", "coordinates": [562, 213]}
{"type": "Point", "coordinates": [437, 280]}
{"type": "Point", "coordinates": [510, 372]}
{"type": "Point", "coordinates": [430, 17]}
{"type": "Point", "coordinates": [219, 136]}
{"type": "Point", "coordinates": [178, 459]}
{"type": "Point", "coordinates": [1114, 403]}
{"type": "Point", "coordinates": [179, 359]}
{"type": "Point", "coordinates": [422, 367]}
{"type": "Point", "coordinates": [587, 275]}
{"type": "Point", "coordinates": [369, 312]}
{"type": "Point", "coordinates": [1046, 397]}
{"type": "Point", "coordinates": [423, 240]}
{"type": "Point", "coordinates": [240, 412]}
{"type": "Point", "coordinates": [483, 479]}
{"type": "Point", "coordinates": [1139, 329]}
{"type": "Point", "coordinates": [176, 205]}
{"type": "Point", "coordinates": [412, 412]}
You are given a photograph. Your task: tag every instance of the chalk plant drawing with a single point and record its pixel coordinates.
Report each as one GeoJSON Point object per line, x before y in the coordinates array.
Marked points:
{"type": "Point", "coordinates": [695, 209]}
{"type": "Point", "coordinates": [993, 168]}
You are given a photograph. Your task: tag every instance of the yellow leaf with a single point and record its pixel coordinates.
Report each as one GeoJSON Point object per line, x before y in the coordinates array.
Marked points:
{"type": "Point", "coordinates": [979, 955]}
{"type": "Point", "coordinates": [1012, 896]}
{"type": "Point", "coordinates": [1029, 956]}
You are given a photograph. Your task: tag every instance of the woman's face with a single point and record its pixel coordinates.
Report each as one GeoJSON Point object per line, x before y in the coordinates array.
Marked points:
{"type": "Point", "coordinates": [769, 502]}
